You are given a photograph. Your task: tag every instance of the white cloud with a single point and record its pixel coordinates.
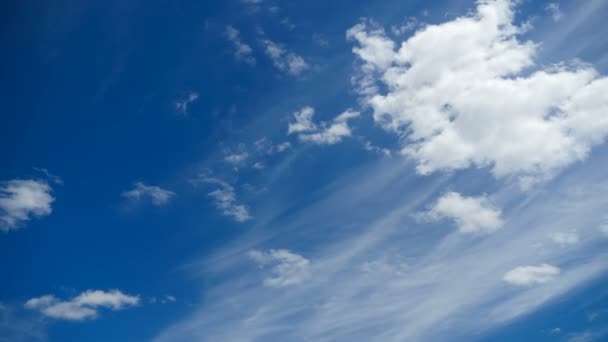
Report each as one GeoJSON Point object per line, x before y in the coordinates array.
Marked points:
{"type": "Point", "coordinates": [242, 52]}
{"type": "Point", "coordinates": [530, 275]}
{"type": "Point", "coordinates": [288, 268]}
{"type": "Point", "coordinates": [408, 25]}
{"type": "Point", "coordinates": [553, 9]}
{"type": "Point", "coordinates": [461, 95]}
{"type": "Point", "coordinates": [236, 158]}
{"type": "Point", "coordinates": [564, 238]}
{"type": "Point", "coordinates": [182, 105]}
{"type": "Point", "coordinates": [20, 200]}
{"type": "Point", "coordinates": [471, 214]}
{"type": "Point", "coordinates": [265, 146]}
{"type": "Point", "coordinates": [323, 134]}
{"type": "Point", "coordinates": [284, 60]}
{"type": "Point", "coordinates": [224, 199]}
{"type": "Point", "coordinates": [157, 195]}
{"type": "Point", "coordinates": [84, 306]}
{"type": "Point", "coordinates": [303, 121]}
{"type": "Point", "coordinates": [604, 229]}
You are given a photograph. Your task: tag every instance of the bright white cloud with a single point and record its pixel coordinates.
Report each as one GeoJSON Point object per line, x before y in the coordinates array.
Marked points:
{"type": "Point", "coordinates": [20, 200]}
{"type": "Point", "coordinates": [323, 134]}
{"type": "Point", "coordinates": [461, 95]}
{"type": "Point", "coordinates": [564, 238]}
{"type": "Point", "coordinates": [284, 60]}
{"type": "Point", "coordinates": [472, 215]}
{"type": "Point", "coordinates": [84, 306]}
{"type": "Point", "coordinates": [182, 105]}
{"type": "Point", "coordinates": [554, 10]}
{"type": "Point", "coordinates": [530, 275]}
{"type": "Point", "coordinates": [242, 52]}
{"type": "Point", "coordinates": [157, 195]}
{"type": "Point", "coordinates": [287, 268]}
{"type": "Point", "coordinates": [224, 199]}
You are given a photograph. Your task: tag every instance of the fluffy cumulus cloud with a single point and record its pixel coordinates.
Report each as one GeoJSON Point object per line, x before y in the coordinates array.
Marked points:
{"type": "Point", "coordinates": [531, 275]}
{"type": "Point", "coordinates": [157, 195]}
{"type": "Point", "coordinates": [224, 199]}
{"type": "Point", "coordinates": [242, 52]}
{"type": "Point", "coordinates": [325, 133]}
{"type": "Point", "coordinates": [20, 200]}
{"type": "Point", "coordinates": [284, 60]}
{"type": "Point", "coordinates": [84, 306]}
{"type": "Point", "coordinates": [472, 215]}
{"type": "Point", "coordinates": [287, 268]}
{"type": "Point", "coordinates": [468, 92]}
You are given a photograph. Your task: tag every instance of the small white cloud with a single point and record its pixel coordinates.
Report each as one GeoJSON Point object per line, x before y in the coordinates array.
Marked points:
{"type": "Point", "coordinates": [224, 199]}
{"type": "Point", "coordinates": [530, 275]}
{"type": "Point", "coordinates": [284, 60]}
{"type": "Point", "coordinates": [303, 121]}
{"type": "Point", "coordinates": [242, 52]}
{"type": "Point", "coordinates": [472, 215]}
{"type": "Point", "coordinates": [604, 229]}
{"type": "Point", "coordinates": [368, 146]}
{"type": "Point", "coordinates": [288, 268]}
{"type": "Point", "coordinates": [259, 166]}
{"type": "Point", "coordinates": [564, 238]}
{"type": "Point", "coordinates": [54, 178]}
{"type": "Point", "coordinates": [265, 146]}
{"type": "Point", "coordinates": [408, 25]}
{"type": "Point", "coordinates": [553, 9]}
{"type": "Point", "coordinates": [84, 306]}
{"type": "Point", "coordinates": [320, 40]}
{"type": "Point", "coordinates": [236, 158]}
{"type": "Point", "coordinates": [157, 195]}
{"type": "Point", "coordinates": [323, 134]}
{"type": "Point", "coordinates": [20, 200]}
{"type": "Point", "coordinates": [169, 299]}
{"type": "Point", "coordinates": [182, 105]}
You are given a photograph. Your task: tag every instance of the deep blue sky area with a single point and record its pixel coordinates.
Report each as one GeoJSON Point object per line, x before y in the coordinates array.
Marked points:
{"type": "Point", "coordinates": [273, 170]}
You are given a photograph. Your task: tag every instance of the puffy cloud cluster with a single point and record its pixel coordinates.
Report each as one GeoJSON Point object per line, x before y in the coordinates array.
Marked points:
{"type": "Point", "coordinates": [325, 133]}
{"type": "Point", "coordinates": [84, 306]}
{"type": "Point", "coordinates": [472, 215]}
{"type": "Point", "coordinates": [288, 268]}
{"type": "Point", "coordinates": [468, 93]}
{"type": "Point", "coordinates": [22, 199]}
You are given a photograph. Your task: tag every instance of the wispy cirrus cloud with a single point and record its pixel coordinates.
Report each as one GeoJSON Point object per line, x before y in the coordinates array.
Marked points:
{"type": "Point", "coordinates": [182, 105]}
{"type": "Point", "coordinates": [242, 51]}
{"type": "Point", "coordinates": [283, 59]}
{"type": "Point", "coordinates": [287, 268]}
{"type": "Point", "coordinates": [157, 195]}
{"type": "Point", "coordinates": [224, 199]}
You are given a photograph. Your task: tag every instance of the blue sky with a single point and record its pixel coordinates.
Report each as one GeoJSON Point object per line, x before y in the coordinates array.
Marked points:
{"type": "Point", "coordinates": [272, 170]}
